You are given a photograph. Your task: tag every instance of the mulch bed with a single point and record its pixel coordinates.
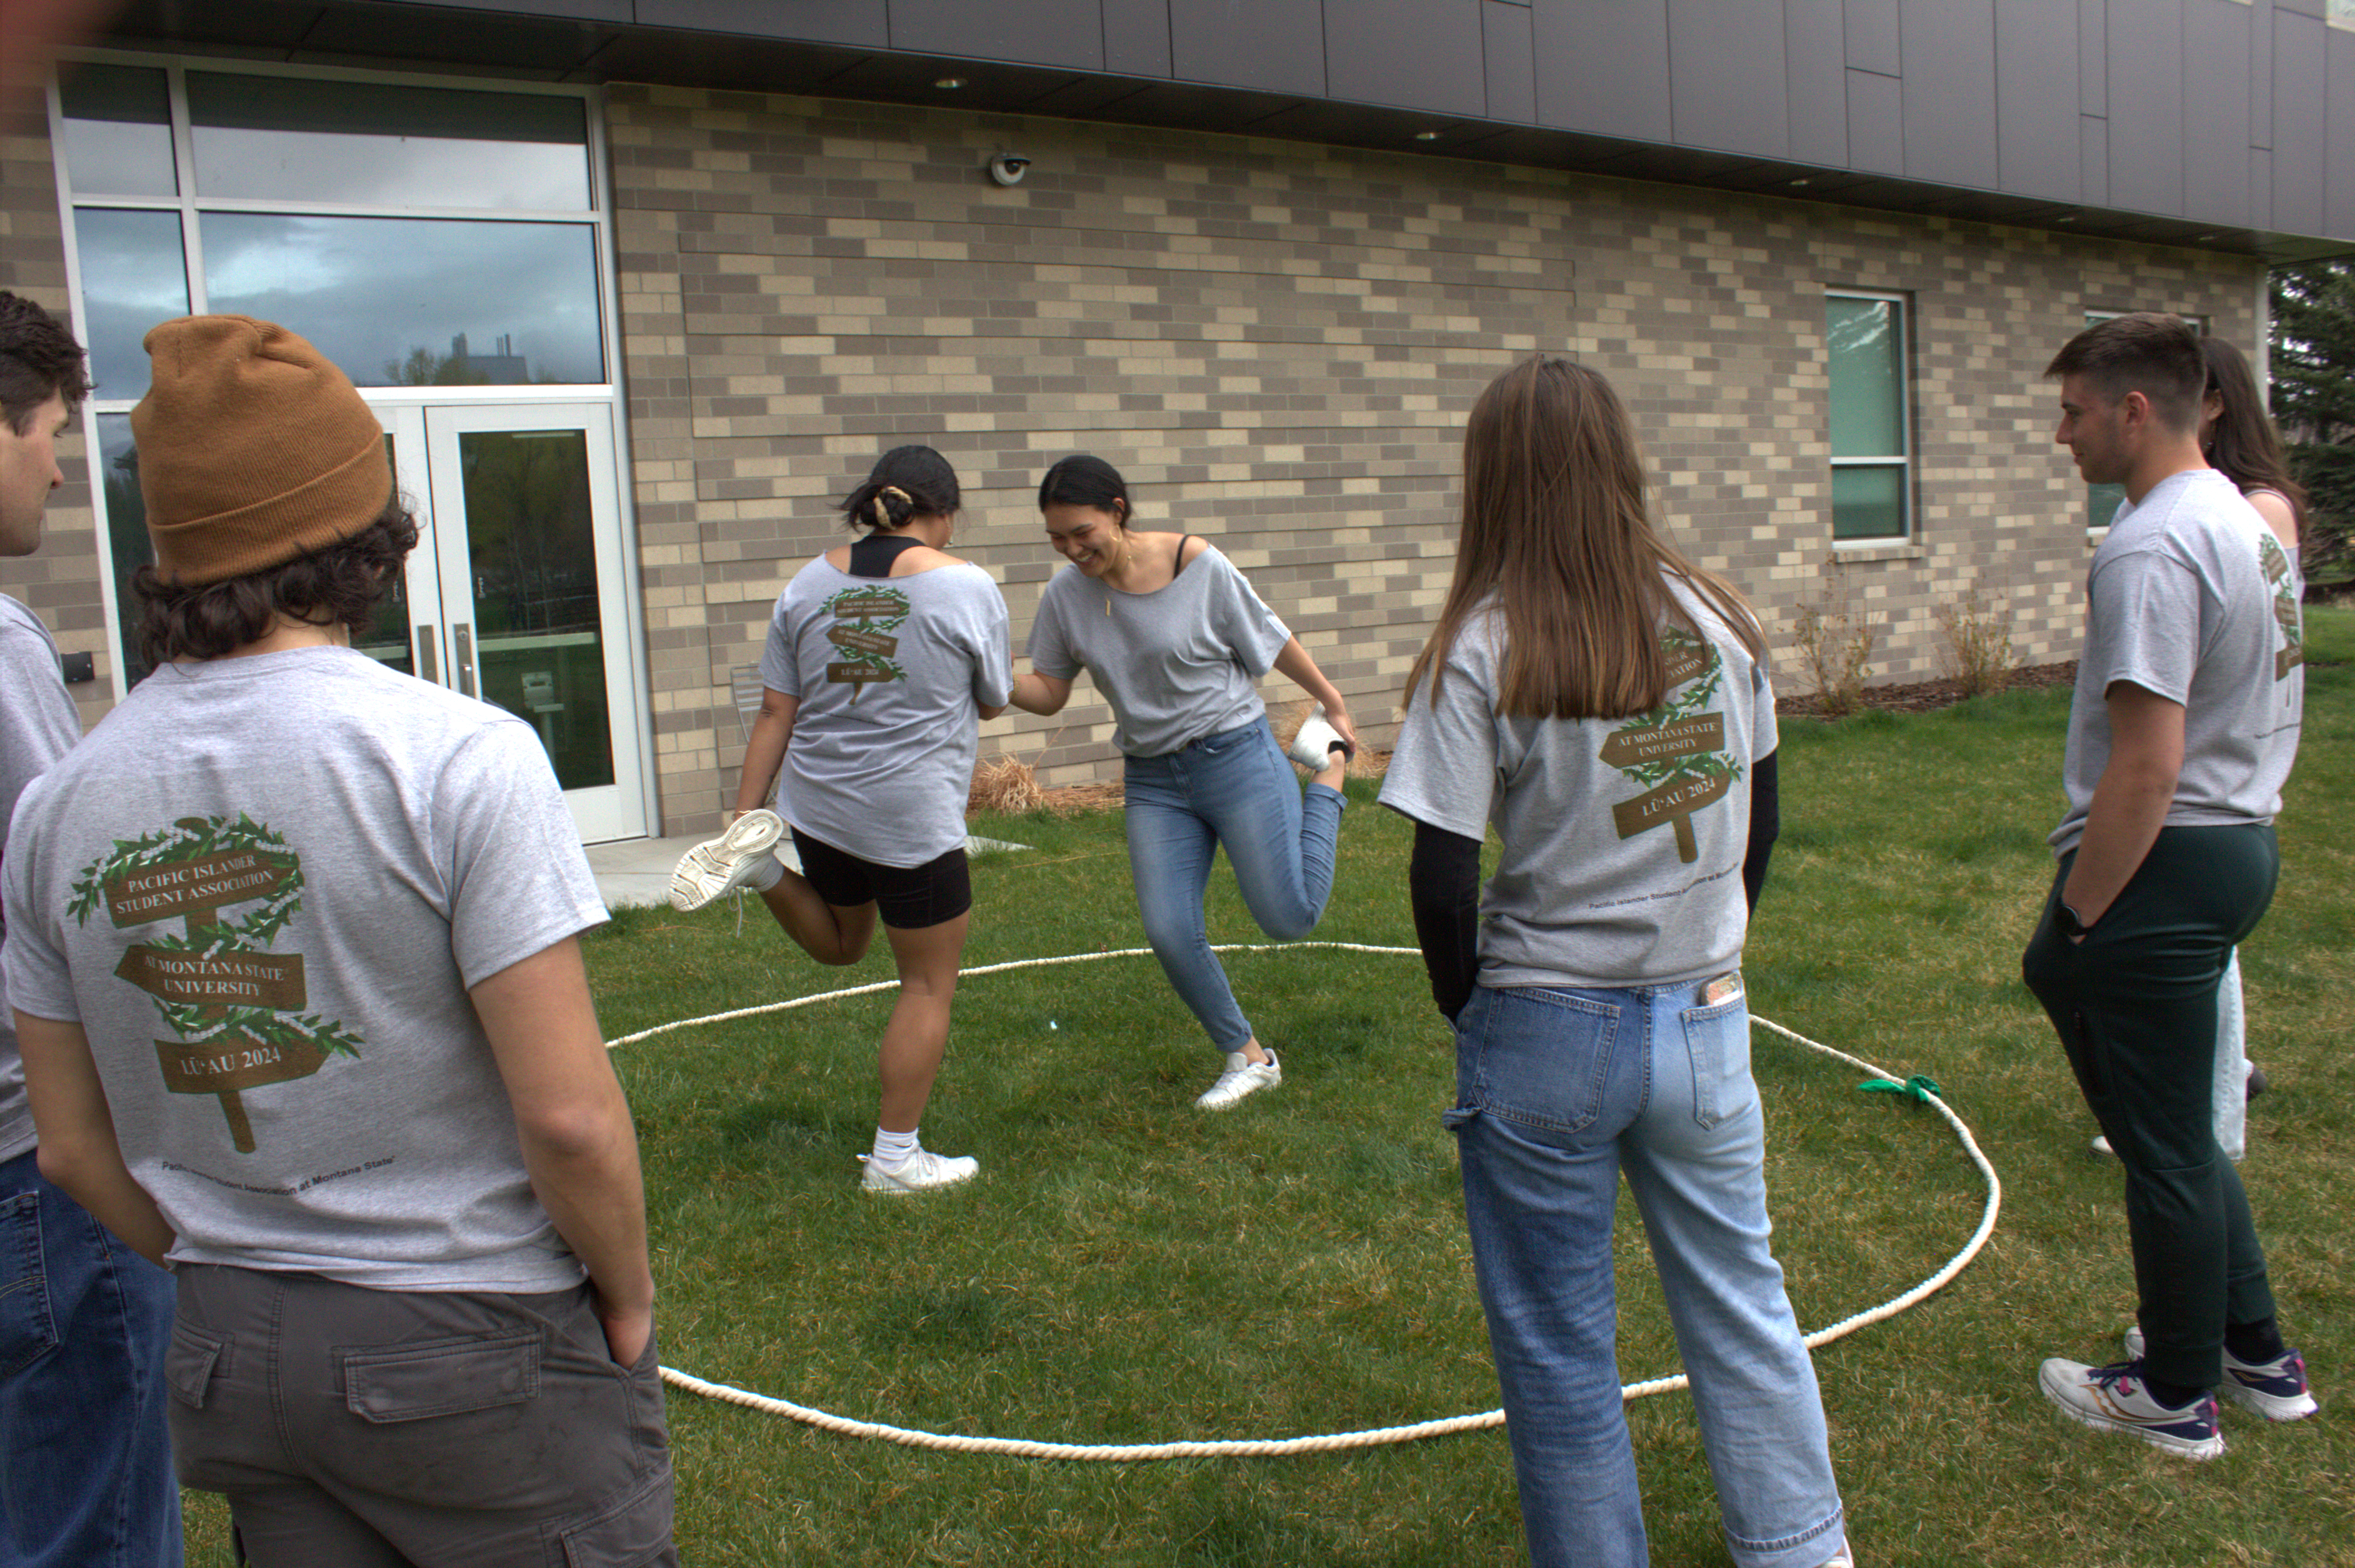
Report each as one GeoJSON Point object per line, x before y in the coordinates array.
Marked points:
{"type": "Point", "coordinates": [1924, 697]}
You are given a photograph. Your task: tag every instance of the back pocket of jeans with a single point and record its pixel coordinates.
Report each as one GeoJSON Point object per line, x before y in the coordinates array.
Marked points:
{"type": "Point", "coordinates": [441, 1377]}
{"type": "Point", "coordinates": [189, 1364]}
{"type": "Point", "coordinates": [29, 1330]}
{"type": "Point", "coordinates": [633, 1533]}
{"type": "Point", "coordinates": [1543, 1059]}
{"type": "Point", "coordinates": [1717, 1038]}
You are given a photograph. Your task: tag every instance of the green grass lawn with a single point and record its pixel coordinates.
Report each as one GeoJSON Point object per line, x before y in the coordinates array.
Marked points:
{"type": "Point", "coordinates": [1129, 1270]}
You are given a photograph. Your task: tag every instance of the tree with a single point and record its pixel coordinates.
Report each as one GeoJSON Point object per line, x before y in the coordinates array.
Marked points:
{"type": "Point", "coordinates": [2313, 355]}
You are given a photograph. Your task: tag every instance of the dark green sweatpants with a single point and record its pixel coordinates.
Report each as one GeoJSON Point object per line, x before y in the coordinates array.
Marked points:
{"type": "Point", "coordinates": [2134, 1005]}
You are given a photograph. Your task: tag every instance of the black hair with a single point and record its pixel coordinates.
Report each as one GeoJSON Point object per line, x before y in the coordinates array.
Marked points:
{"type": "Point", "coordinates": [339, 586]}
{"type": "Point", "coordinates": [1084, 481]}
{"type": "Point", "coordinates": [39, 361]}
{"type": "Point", "coordinates": [906, 482]}
{"type": "Point", "coordinates": [2157, 355]}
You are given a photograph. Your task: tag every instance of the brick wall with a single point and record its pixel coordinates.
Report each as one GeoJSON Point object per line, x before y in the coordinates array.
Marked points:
{"type": "Point", "coordinates": [60, 581]}
{"type": "Point", "coordinates": [1277, 344]}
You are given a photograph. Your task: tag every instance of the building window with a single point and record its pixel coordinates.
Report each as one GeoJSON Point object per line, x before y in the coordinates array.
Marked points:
{"type": "Point", "coordinates": [2103, 501]}
{"type": "Point", "coordinates": [1873, 462]}
{"type": "Point", "coordinates": [420, 235]}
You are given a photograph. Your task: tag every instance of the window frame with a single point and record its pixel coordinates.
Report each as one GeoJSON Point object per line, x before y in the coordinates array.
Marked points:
{"type": "Point", "coordinates": [597, 216]}
{"type": "Point", "coordinates": [1903, 459]}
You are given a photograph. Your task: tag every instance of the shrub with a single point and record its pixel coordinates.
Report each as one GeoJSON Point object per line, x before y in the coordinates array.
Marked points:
{"type": "Point", "coordinates": [1978, 644]}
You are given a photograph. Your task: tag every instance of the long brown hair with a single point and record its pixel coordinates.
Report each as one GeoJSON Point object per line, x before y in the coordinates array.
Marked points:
{"type": "Point", "coordinates": [1556, 531]}
{"type": "Point", "coordinates": [2243, 441]}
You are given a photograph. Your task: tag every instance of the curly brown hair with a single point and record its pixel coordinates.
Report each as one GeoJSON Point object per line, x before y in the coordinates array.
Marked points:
{"type": "Point", "coordinates": [340, 585]}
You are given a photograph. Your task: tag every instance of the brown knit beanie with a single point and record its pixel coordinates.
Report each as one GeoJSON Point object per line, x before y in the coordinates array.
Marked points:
{"type": "Point", "coordinates": [254, 450]}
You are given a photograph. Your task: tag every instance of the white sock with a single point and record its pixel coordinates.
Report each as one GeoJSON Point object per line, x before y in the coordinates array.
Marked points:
{"type": "Point", "coordinates": [764, 876]}
{"type": "Point", "coordinates": [892, 1149]}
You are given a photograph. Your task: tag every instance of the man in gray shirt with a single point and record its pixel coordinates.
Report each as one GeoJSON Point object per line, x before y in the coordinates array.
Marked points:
{"type": "Point", "coordinates": [85, 1453]}
{"type": "Point", "coordinates": [2184, 725]}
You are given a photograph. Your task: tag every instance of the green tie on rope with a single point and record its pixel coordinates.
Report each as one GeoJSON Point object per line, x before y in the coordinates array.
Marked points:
{"type": "Point", "coordinates": [1919, 1087]}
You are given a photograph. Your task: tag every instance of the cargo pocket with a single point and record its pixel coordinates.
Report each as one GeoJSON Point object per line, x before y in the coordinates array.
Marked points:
{"type": "Point", "coordinates": [632, 1533]}
{"type": "Point", "coordinates": [441, 1377]}
{"type": "Point", "coordinates": [29, 1330]}
{"type": "Point", "coordinates": [189, 1365]}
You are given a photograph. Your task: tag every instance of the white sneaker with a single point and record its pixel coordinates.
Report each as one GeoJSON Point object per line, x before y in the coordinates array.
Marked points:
{"type": "Point", "coordinates": [2101, 1147]}
{"type": "Point", "coordinates": [1314, 747]}
{"type": "Point", "coordinates": [923, 1172]}
{"type": "Point", "coordinates": [1243, 1076]}
{"type": "Point", "coordinates": [2276, 1390]}
{"type": "Point", "coordinates": [721, 864]}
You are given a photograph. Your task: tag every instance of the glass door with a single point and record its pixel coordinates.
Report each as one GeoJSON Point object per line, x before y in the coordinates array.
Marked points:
{"type": "Point", "coordinates": [514, 593]}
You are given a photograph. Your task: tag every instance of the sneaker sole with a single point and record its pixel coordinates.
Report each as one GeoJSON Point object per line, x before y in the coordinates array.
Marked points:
{"type": "Point", "coordinates": [694, 884]}
{"type": "Point", "coordinates": [893, 1190]}
{"type": "Point", "coordinates": [2206, 1448]}
{"type": "Point", "coordinates": [2271, 1406]}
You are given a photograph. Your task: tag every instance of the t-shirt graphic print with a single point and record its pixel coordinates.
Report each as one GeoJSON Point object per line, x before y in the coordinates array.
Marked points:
{"type": "Point", "coordinates": [2287, 589]}
{"type": "Point", "coordinates": [1677, 750]}
{"type": "Point", "coordinates": [864, 620]}
{"type": "Point", "coordinates": [237, 1008]}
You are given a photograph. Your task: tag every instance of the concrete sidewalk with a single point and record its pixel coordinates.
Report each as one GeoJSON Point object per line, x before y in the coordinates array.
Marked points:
{"type": "Point", "coordinates": [637, 871]}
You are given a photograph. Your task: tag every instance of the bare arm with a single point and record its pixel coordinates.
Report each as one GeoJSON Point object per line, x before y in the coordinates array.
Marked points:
{"type": "Point", "coordinates": [1293, 663]}
{"type": "Point", "coordinates": [2129, 805]}
{"type": "Point", "coordinates": [578, 1144]}
{"type": "Point", "coordinates": [772, 731]}
{"type": "Point", "coordinates": [1040, 694]}
{"type": "Point", "coordinates": [79, 1151]}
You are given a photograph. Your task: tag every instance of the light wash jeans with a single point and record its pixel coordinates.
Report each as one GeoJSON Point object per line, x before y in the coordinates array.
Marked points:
{"type": "Point", "coordinates": [86, 1475]}
{"type": "Point", "coordinates": [1558, 1092]}
{"type": "Point", "coordinates": [1232, 788]}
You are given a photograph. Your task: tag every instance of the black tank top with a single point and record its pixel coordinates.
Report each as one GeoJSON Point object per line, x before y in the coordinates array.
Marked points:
{"type": "Point", "coordinates": [873, 556]}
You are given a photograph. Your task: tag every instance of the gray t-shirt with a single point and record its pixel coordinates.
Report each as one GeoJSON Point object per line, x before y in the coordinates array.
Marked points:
{"type": "Point", "coordinates": [1177, 664]}
{"type": "Point", "coordinates": [2192, 598]}
{"type": "Point", "coordinates": [264, 886]}
{"type": "Point", "coordinates": [37, 726]}
{"type": "Point", "coordinates": [1623, 838]}
{"type": "Point", "coordinates": [889, 671]}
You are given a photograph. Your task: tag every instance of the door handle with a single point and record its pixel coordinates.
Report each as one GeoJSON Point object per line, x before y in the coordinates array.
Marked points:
{"type": "Point", "coordinates": [426, 669]}
{"type": "Point", "coordinates": [463, 636]}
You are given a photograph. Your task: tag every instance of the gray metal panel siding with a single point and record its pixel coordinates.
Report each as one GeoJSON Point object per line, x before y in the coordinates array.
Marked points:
{"type": "Point", "coordinates": [2093, 58]}
{"type": "Point", "coordinates": [1136, 37]}
{"type": "Point", "coordinates": [2261, 187]}
{"type": "Point", "coordinates": [2216, 112]}
{"type": "Point", "coordinates": [1039, 32]}
{"type": "Point", "coordinates": [1602, 65]}
{"type": "Point", "coordinates": [2093, 159]}
{"type": "Point", "coordinates": [864, 23]}
{"type": "Point", "coordinates": [2146, 105]}
{"type": "Point", "coordinates": [1876, 122]}
{"type": "Point", "coordinates": [1727, 92]}
{"type": "Point", "coordinates": [1509, 58]}
{"type": "Point", "coordinates": [1275, 46]}
{"type": "Point", "coordinates": [2300, 44]}
{"type": "Point", "coordinates": [1815, 48]}
{"type": "Point", "coordinates": [1421, 54]}
{"type": "Point", "coordinates": [2339, 113]}
{"type": "Point", "coordinates": [2260, 76]}
{"type": "Point", "coordinates": [1872, 36]}
{"type": "Point", "coordinates": [1947, 52]}
{"type": "Point", "coordinates": [2036, 93]}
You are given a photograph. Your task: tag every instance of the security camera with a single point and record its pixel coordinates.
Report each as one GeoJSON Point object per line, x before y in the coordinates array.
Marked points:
{"type": "Point", "coordinates": [1008, 168]}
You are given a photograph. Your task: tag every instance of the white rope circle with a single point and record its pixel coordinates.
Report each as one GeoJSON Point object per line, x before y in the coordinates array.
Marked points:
{"type": "Point", "coordinates": [1276, 1447]}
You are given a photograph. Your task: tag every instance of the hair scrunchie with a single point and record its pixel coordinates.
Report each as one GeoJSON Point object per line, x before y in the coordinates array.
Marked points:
{"type": "Point", "coordinates": [883, 513]}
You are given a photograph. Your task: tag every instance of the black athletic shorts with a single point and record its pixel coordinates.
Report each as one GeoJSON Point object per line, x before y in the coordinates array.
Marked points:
{"type": "Point", "coordinates": [908, 897]}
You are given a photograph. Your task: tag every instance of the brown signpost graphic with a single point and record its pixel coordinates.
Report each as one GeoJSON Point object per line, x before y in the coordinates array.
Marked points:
{"type": "Point", "coordinates": [1674, 749]}
{"type": "Point", "coordinates": [216, 980]}
{"type": "Point", "coordinates": [1674, 802]}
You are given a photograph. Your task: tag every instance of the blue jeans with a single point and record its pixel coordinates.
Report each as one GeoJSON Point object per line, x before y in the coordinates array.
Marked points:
{"type": "Point", "coordinates": [1232, 788]}
{"type": "Point", "coordinates": [85, 1450]}
{"type": "Point", "coordinates": [1557, 1091]}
